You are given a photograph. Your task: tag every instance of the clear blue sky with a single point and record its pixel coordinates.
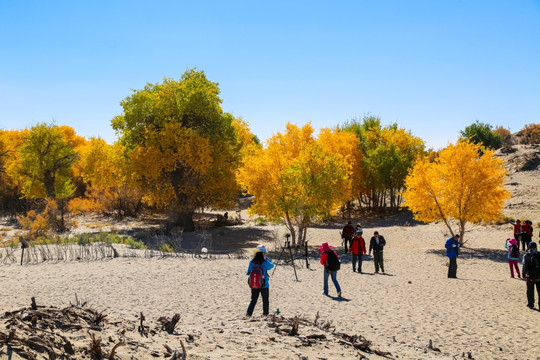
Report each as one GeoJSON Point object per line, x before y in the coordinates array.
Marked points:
{"type": "Point", "coordinates": [433, 66]}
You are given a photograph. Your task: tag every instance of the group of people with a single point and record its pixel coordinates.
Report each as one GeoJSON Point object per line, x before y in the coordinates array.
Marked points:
{"type": "Point", "coordinates": [523, 233]}
{"type": "Point", "coordinates": [354, 243]}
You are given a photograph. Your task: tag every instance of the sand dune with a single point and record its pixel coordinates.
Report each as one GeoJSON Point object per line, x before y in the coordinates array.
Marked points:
{"type": "Point", "coordinates": [482, 312]}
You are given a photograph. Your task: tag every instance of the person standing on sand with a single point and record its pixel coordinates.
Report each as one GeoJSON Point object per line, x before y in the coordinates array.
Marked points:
{"type": "Point", "coordinates": [518, 232]}
{"type": "Point", "coordinates": [347, 234]}
{"type": "Point", "coordinates": [377, 244]}
{"type": "Point", "coordinates": [358, 248]}
{"type": "Point", "coordinates": [452, 245]}
{"type": "Point", "coordinates": [513, 256]}
{"type": "Point", "coordinates": [531, 273]}
{"type": "Point", "coordinates": [330, 261]}
{"type": "Point", "coordinates": [526, 232]}
{"type": "Point", "coordinates": [359, 229]}
{"type": "Point", "coordinates": [258, 281]}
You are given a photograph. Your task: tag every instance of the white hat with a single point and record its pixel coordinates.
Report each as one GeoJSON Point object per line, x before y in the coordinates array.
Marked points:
{"type": "Point", "coordinates": [260, 248]}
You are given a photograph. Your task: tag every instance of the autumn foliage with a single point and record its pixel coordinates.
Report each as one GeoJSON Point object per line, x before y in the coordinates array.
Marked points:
{"type": "Point", "coordinates": [385, 154]}
{"type": "Point", "coordinates": [178, 152]}
{"type": "Point", "coordinates": [530, 134]}
{"type": "Point", "coordinates": [298, 178]}
{"type": "Point", "coordinates": [183, 148]}
{"type": "Point", "coordinates": [461, 185]}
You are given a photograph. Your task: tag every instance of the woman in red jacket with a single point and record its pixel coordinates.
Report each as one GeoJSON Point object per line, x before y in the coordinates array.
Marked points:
{"type": "Point", "coordinates": [358, 248]}
{"type": "Point", "coordinates": [331, 263]}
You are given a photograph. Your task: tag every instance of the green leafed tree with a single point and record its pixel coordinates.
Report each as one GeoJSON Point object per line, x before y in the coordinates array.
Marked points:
{"type": "Point", "coordinates": [46, 163]}
{"type": "Point", "coordinates": [184, 148]}
{"type": "Point", "coordinates": [386, 153]}
{"type": "Point", "coordinates": [481, 133]}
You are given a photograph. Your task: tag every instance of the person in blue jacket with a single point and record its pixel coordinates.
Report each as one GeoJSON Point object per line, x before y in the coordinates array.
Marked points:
{"type": "Point", "coordinates": [261, 260]}
{"type": "Point", "coordinates": [452, 245]}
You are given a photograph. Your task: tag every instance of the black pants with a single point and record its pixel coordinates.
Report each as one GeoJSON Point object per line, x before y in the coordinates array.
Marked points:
{"type": "Point", "coordinates": [525, 240]}
{"type": "Point", "coordinates": [530, 293]}
{"type": "Point", "coordinates": [452, 268]}
{"type": "Point", "coordinates": [359, 258]}
{"type": "Point", "coordinates": [346, 243]}
{"type": "Point", "coordinates": [255, 296]}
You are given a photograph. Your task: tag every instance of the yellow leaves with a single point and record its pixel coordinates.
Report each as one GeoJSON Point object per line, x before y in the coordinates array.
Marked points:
{"type": "Point", "coordinates": [102, 165]}
{"type": "Point", "coordinates": [175, 153]}
{"type": "Point", "coordinates": [297, 175]}
{"type": "Point", "coordinates": [459, 184]}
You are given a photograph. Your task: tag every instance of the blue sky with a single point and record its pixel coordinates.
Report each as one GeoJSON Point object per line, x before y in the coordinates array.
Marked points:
{"type": "Point", "coordinates": [434, 67]}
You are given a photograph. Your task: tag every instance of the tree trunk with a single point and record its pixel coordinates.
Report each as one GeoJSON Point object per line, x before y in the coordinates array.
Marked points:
{"type": "Point", "coordinates": [183, 219]}
{"type": "Point", "coordinates": [48, 182]}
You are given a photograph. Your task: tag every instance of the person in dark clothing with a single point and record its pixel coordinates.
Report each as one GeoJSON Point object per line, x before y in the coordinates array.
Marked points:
{"type": "Point", "coordinates": [452, 245]}
{"type": "Point", "coordinates": [260, 260]}
{"type": "Point", "coordinates": [531, 273]}
{"type": "Point", "coordinates": [347, 235]}
{"type": "Point", "coordinates": [377, 244]}
{"type": "Point", "coordinates": [526, 232]}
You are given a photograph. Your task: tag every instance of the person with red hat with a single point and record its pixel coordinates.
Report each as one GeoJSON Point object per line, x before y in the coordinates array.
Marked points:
{"type": "Point", "coordinates": [513, 256]}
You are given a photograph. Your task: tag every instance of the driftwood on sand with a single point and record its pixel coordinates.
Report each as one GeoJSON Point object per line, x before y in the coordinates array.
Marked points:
{"type": "Point", "coordinates": [318, 331]}
{"type": "Point", "coordinates": [75, 331]}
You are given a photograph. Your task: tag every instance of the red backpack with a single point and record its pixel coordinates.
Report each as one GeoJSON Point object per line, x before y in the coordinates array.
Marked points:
{"type": "Point", "coordinates": [257, 277]}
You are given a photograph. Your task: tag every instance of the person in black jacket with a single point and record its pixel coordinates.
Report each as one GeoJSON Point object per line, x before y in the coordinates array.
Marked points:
{"type": "Point", "coordinates": [377, 244]}
{"type": "Point", "coordinates": [531, 273]}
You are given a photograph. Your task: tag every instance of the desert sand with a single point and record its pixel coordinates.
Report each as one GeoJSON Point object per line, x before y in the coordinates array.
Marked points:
{"type": "Point", "coordinates": [483, 312]}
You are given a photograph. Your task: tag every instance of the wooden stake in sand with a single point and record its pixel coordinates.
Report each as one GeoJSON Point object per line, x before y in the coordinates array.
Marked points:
{"type": "Point", "coordinates": [24, 245]}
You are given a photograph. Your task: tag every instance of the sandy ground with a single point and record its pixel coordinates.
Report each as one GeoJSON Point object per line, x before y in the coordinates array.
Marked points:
{"type": "Point", "coordinates": [482, 312]}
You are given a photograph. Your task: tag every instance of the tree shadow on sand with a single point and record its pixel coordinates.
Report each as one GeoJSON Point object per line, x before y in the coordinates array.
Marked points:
{"type": "Point", "coordinates": [494, 255]}
{"type": "Point", "coordinates": [373, 219]}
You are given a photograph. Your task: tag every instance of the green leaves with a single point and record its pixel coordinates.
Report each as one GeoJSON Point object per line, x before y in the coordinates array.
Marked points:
{"type": "Point", "coordinates": [46, 163]}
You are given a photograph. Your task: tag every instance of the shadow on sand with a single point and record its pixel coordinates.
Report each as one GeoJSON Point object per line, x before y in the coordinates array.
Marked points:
{"type": "Point", "coordinates": [338, 298]}
{"type": "Point", "coordinates": [498, 256]}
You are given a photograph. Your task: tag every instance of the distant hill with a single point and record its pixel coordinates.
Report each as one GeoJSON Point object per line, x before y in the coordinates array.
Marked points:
{"type": "Point", "coordinates": [523, 182]}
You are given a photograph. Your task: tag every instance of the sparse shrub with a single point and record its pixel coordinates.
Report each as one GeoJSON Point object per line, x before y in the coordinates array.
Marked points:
{"type": "Point", "coordinates": [36, 224]}
{"type": "Point", "coordinates": [530, 134]}
{"type": "Point", "coordinates": [260, 221]}
{"type": "Point", "coordinates": [166, 248]}
{"type": "Point", "coordinates": [505, 135]}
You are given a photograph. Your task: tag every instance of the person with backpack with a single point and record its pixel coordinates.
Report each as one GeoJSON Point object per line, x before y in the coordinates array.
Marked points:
{"type": "Point", "coordinates": [531, 273]}
{"type": "Point", "coordinates": [347, 234]}
{"type": "Point", "coordinates": [358, 248]}
{"type": "Point", "coordinates": [258, 279]}
{"type": "Point", "coordinates": [331, 263]}
{"type": "Point", "coordinates": [452, 245]}
{"type": "Point", "coordinates": [377, 244]}
{"type": "Point", "coordinates": [513, 256]}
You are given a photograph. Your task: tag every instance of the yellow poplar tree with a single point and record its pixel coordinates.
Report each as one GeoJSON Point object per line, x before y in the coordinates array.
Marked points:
{"type": "Point", "coordinates": [345, 144]}
{"type": "Point", "coordinates": [461, 184]}
{"type": "Point", "coordinates": [184, 148]}
{"type": "Point", "coordinates": [107, 173]}
{"type": "Point", "coordinates": [294, 180]}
